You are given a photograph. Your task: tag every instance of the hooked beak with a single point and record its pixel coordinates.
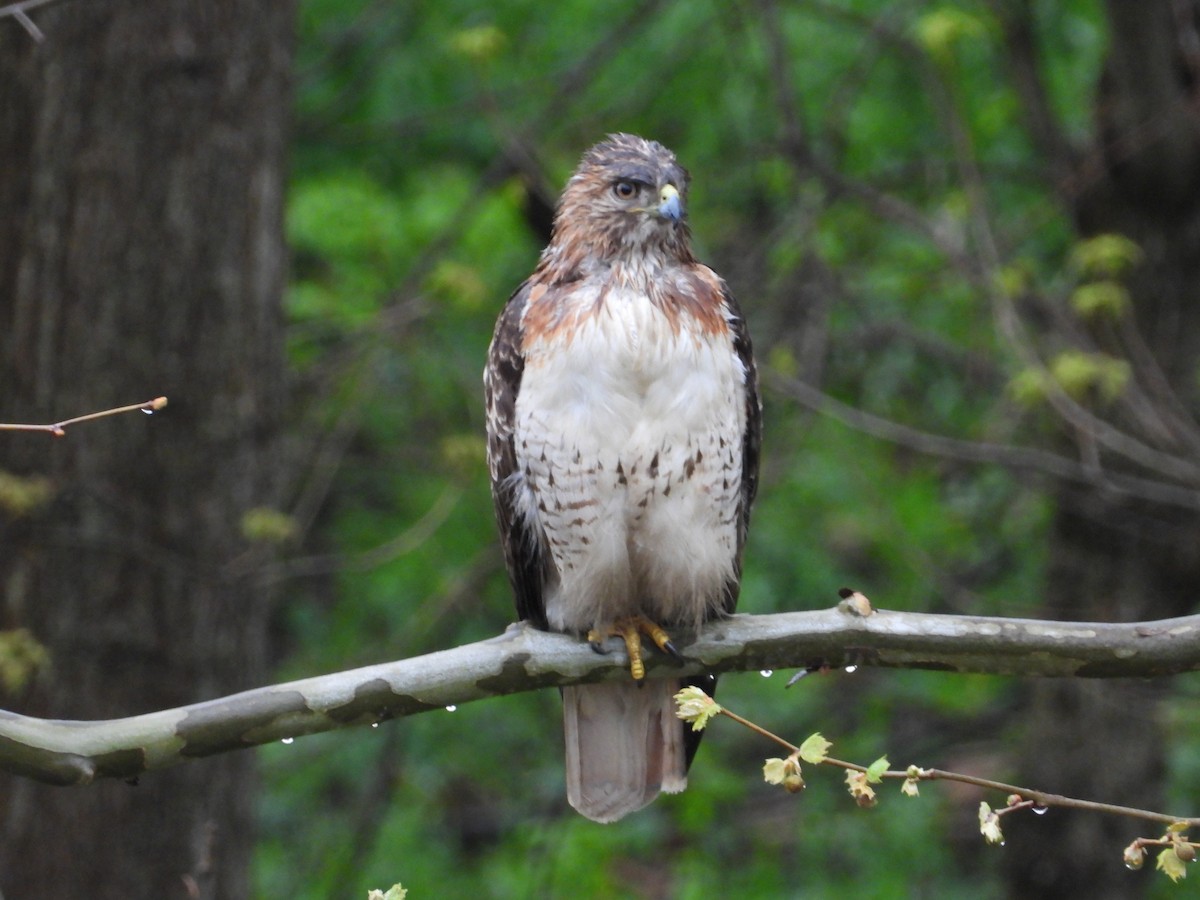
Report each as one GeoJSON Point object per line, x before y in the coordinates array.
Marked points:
{"type": "Point", "coordinates": [670, 205]}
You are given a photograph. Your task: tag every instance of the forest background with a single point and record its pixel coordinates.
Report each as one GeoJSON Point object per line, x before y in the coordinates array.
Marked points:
{"type": "Point", "coordinates": [966, 240]}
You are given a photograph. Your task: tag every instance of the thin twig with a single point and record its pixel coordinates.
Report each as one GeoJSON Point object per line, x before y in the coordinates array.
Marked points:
{"type": "Point", "coordinates": [1043, 799]}
{"type": "Point", "coordinates": [1008, 319]}
{"type": "Point", "coordinates": [792, 748]}
{"type": "Point", "coordinates": [1033, 797]}
{"type": "Point", "coordinates": [978, 270]}
{"type": "Point", "coordinates": [402, 544]}
{"type": "Point", "coordinates": [58, 429]}
{"type": "Point", "coordinates": [1013, 457]}
{"type": "Point", "coordinates": [18, 12]}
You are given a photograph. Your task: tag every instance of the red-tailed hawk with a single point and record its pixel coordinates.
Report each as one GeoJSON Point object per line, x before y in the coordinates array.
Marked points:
{"type": "Point", "coordinates": [623, 442]}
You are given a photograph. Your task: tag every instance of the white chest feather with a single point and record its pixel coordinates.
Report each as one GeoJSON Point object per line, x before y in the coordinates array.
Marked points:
{"type": "Point", "coordinates": [628, 435]}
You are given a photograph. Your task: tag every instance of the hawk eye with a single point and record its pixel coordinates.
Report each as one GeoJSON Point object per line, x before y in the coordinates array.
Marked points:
{"type": "Point", "coordinates": [624, 189]}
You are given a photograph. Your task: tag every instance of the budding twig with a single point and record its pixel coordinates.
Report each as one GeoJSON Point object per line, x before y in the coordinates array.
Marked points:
{"type": "Point", "coordinates": [698, 708]}
{"type": "Point", "coordinates": [58, 429]}
{"type": "Point", "coordinates": [1026, 796]}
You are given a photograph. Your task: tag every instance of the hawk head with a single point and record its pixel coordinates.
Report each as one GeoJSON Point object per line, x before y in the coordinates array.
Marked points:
{"type": "Point", "coordinates": [625, 203]}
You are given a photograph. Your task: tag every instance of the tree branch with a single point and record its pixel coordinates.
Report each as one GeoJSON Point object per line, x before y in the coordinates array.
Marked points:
{"type": "Point", "coordinates": [18, 12]}
{"type": "Point", "coordinates": [524, 659]}
{"type": "Point", "coordinates": [1023, 58]}
{"type": "Point", "coordinates": [1012, 457]}
{"type": "Point", "coordinates": [58, 429]}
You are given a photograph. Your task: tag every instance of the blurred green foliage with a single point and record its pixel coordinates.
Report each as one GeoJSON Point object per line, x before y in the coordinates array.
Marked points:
{"type": "Point", "coordinates": [428, 137]}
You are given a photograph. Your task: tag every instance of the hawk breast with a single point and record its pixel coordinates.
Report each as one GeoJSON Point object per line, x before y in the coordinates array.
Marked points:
{"type": "Point", "coordinates": [628, 433]}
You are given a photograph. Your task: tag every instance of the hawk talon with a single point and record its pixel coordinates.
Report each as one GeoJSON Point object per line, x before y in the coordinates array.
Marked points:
{"type": "Point", "coordinates": [596, 641]}
{"type": "Point", "coordinates": [630, 629]}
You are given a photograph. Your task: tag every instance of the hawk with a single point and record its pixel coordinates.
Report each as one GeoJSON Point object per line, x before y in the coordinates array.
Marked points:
{"type": "Point", "coordinates": [623, 425]}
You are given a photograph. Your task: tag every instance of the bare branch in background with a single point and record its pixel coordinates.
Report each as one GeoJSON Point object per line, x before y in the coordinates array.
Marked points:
{"type": "Point", "coordinates": [59, 429]}
{"type": "Point", "coordinates": [19, 11]}
{"type": "Point", "coordinates": [1018, 459]}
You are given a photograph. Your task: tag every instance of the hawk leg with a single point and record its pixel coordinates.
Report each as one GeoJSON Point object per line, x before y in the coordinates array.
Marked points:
{"type": "Point", "coordinates": [630, 629]}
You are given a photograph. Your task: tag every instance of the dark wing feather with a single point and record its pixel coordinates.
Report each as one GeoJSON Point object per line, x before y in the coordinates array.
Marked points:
{"type": "Point", "coordinates": [751, 439]}
{"type": "Point", "coordinates": [523, 551]}
{"type": "Point", "coordinates": [751, 447]}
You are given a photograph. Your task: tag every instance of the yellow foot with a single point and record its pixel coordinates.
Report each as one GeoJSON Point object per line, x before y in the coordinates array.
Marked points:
{"type": "Point", "coordinates": [630, 630]}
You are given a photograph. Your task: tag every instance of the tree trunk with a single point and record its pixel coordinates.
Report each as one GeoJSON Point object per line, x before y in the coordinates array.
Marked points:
{"type": "Point", "coordinates": [142, 164]}
{"type": "Point", "coordinates": [1113, 559]}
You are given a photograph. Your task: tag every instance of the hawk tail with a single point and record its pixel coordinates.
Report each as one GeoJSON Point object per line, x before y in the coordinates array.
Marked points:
{"type": "Point", "coordinates": [624, 745]}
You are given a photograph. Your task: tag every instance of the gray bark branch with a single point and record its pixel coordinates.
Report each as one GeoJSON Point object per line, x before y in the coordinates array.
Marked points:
{"type": "Point", "coordinates": [524, 659]}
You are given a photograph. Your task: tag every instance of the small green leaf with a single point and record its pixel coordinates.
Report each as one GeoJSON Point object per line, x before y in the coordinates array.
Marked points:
{"type": "Point", "coordinates": [479, 44]}
{"type": "Point", "coordinates": [782, 360]}
{"type": "Point", "coordinates": [989, 825]}
{"type": "Point", "coordinates": [695, 706]}
{"type": "Point", "coordinates": [21, 655]}
{"type": "Point", "coordinates": [1013, 280]}
{"type": "Point", "coordinates": [1076, 372]}
{"type": "Point", "coordinates": [1028, 387]}
{"type": "Point", "coordinates": [1080, 373]}
{"type": "Point", "coordinates": [1105, 255]}
{"type": "Point", "coordinates": [21, 495]}
{"type": "Point", "coordinates": [773, 770]}
{"type": "Point", "coordinates": [785, 772]}
{"type": "Point", "coordinates": [1100, 298]}
{"type": "Point", "coordinates": [264, 525]}
{"type": "Point", "coordinates": [815, 748]}
{"type": "Point", "coordinates": [1171, 865]}
{"type": "Point", "coordinates": [940, 30]}
{"type": "Point", "coordinates": [876, 769]}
